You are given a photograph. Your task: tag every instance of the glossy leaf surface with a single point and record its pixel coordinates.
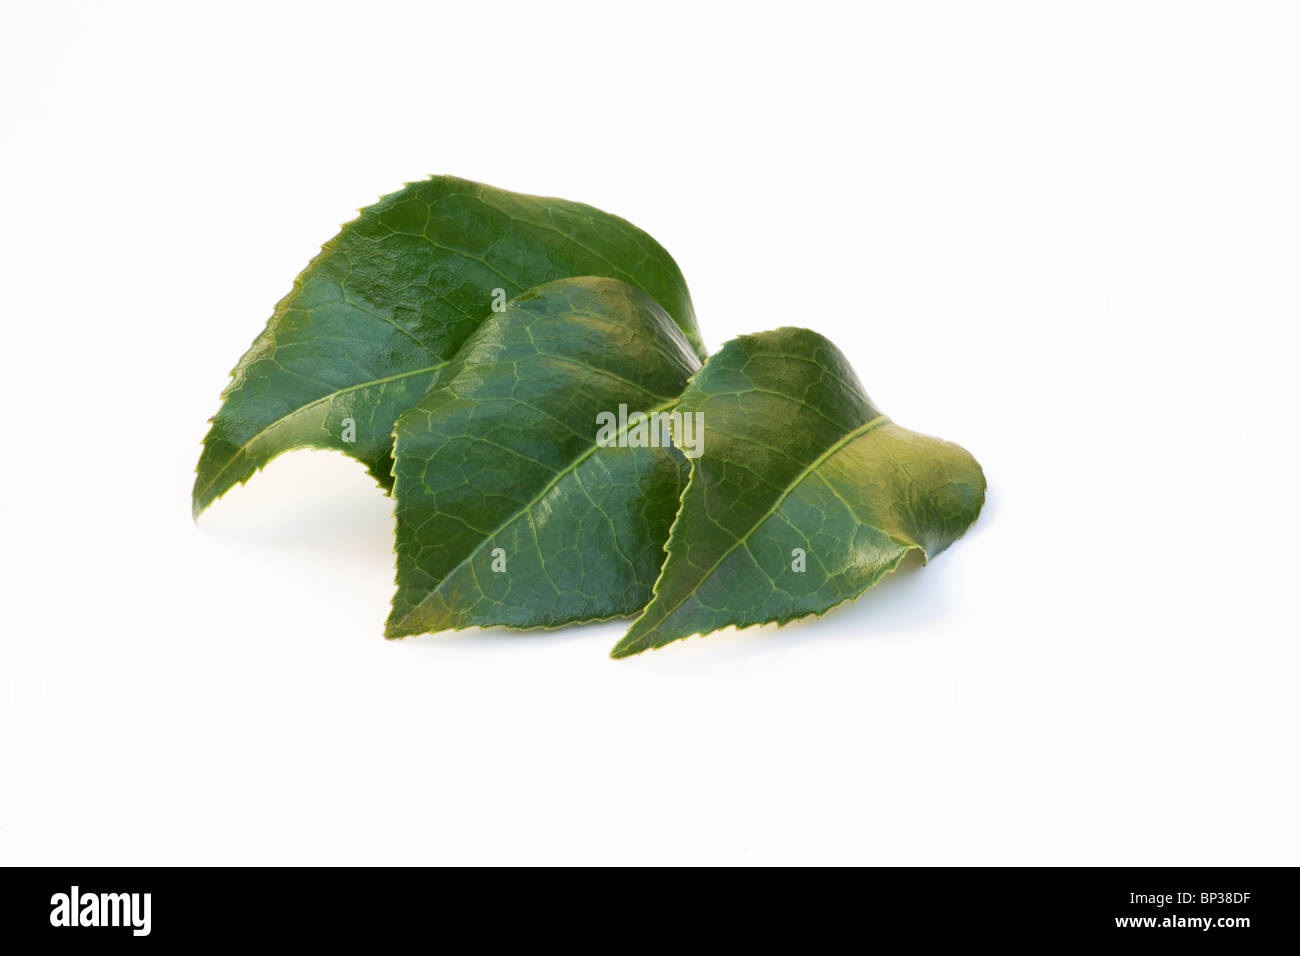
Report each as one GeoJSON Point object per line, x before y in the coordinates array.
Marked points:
{"type": "Point", "coordinates": [509, 511]}
{"type": "Point", "coordinates": [389, 301]}
{"type": "Point", "coordinates": [799, 469]}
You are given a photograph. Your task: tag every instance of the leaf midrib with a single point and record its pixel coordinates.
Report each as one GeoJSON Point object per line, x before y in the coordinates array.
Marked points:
{"type": "Point", "coordinates": [789, 488]}
{"type": "Point", "coordinates": [524, 509]}
{"type": "Point", "coordinates": [329, 396]}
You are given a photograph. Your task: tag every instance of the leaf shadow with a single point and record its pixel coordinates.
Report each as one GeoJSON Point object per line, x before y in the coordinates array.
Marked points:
{"type": "Point", "coordinates": [308, 501]}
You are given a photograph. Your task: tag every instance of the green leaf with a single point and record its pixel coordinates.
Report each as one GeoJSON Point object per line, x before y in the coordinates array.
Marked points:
{"type": "Point", "coordinates": [796, 456]}
{"type": "Point", "coordinates": [387, 303]}
{"type": "Point", "coordinates": [509, 508]}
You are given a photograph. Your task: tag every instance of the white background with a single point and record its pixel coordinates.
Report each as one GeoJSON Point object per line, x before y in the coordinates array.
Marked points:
{"type": "Point", "coordinates": [1064, 236]}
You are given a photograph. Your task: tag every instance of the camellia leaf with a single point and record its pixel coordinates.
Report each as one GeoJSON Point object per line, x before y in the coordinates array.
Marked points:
{"type": "Point", "coordinates": [804, 497]}
{"type": "Point", "coordinates": [537, 480]}
{"type": "Point", "coordinates": [390, 299]}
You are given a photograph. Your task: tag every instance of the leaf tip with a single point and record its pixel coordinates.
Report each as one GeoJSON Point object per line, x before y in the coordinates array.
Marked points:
{"type": "Point", "coordinates": [394, 629]}
{"type": "Point", "coordinates": [631, 645]}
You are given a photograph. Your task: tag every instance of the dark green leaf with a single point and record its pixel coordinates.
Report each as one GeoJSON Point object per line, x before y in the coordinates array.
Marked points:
{"type": "Point", "coordinates": [797, 460]}
{"type": "Point", "coordinates": [387, 303]}
{"type": "Point", "coordinates": [508, 510]}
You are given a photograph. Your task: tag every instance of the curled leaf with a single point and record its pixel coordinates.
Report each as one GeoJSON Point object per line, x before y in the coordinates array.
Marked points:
{"type": "Point", "coordinates": [387, 303]}
{"type": "Point", "coordinates": [805, 494]}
